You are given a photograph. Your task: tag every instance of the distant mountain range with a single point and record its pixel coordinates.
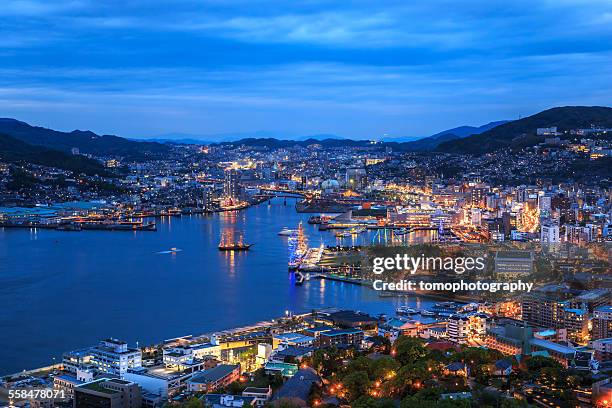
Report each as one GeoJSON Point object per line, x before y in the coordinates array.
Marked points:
{"type": "Point", "coordinates": [425, 143]}
{"type": "Point", "coordinates": [458, 132]}
{"type": "Point", "coordinates": [404, 144]}
{"type": "Point", "coordinates": [20, 141]}
{"type": "Point", "coordinates": [273, 143]}
{"type": "Point", "coordinates": [188, 138]}
{"type": "Point", "coordinates": [521, 133]}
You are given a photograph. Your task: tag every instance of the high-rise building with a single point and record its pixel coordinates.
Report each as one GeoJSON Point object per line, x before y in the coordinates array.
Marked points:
{"type": "Point", "coordinates": [477, 196]}
{"type": "Point", "coordinates": [231, 185]}
{"type": "Point", "coordinates": [602, 323]}
{"type": "Point", "coordinates": [545, 202]}
{"type": "Point", "coordinates": [207, 198]}
{"type": "Point", "coordinates": [461, 327]}
{"type": "Point", "coordinates": [115, 357]}
{"type": "Point", "coordinates": [547, 311]}
{"type": "Point", "coordinates": [549, 233]}
{"type": "Point", "coordinates": [476, 216]}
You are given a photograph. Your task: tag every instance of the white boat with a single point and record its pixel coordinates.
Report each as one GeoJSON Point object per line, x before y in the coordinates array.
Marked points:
{"type": "Point", "coordinates": [286, 232]}
{"type": "Point", "coordinates": [427, 313]}
{"type": "Point", "coordinates": [403, 310]}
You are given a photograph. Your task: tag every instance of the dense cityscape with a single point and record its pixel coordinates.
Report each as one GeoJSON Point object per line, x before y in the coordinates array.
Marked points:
{"type": "Point", "coordinates": [305, 204]}
{"type": "Point", "coordinates": [538, 209]}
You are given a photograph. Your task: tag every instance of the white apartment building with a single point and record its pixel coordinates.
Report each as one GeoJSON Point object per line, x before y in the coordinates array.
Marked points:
{"type": "Point", "coordinates": [549, 233]}
{"type": "Point", "coordinates": [114, 357]}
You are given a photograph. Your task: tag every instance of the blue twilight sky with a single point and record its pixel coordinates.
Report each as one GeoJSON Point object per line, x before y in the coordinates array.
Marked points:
{"type": "Point", "coordinates": [141, 68]}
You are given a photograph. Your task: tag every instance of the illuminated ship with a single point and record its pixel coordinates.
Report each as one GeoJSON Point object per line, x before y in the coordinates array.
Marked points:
{"type": "Point", "coordinates": [298, 246]}
{"type": "Point", "coordinates": [229, 244]}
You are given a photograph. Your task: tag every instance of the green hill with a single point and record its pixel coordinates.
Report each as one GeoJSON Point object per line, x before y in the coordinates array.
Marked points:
{"type": "Point", "coordinates": [14, 150]}
{"type": "Point", "coordinates": [522, 133]}
{"type": "Point", "coordinates": [87, 142]}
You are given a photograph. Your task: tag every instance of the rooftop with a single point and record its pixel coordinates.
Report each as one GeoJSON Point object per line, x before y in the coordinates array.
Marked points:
{"type": "Point", "coordinates": [286, 369]}
{"type": "Point", "coordinates": [605, 309]}
{"type": "Point", "coordinates": [256, 390]}
{"type": "Point", "coordinates": [97, 386]}
{"type": "Point", "coordinates": [341, 332]}
{"type": "Point", "coordinates": [299, 385]}
{"type": "Point", "coordinates": [549, 345]}
{"type": "Point", "coordinates": [214, 374]}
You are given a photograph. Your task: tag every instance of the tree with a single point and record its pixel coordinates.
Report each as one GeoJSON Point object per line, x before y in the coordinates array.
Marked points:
{"type": "Point", "coordinates": [369, 402]}
{"type": "Point", "coordinates": [513, 403]}
{"type": "Point", "coordinates": [409, 349]}
{"type": "Point", "coordinates": [381, 344]}
{"type": "Point", "coordinates": [356, 384]}
{"type": "Point", "coordinates": [384, 367]}
{"type": "Point", "coordinates": [361, 363]}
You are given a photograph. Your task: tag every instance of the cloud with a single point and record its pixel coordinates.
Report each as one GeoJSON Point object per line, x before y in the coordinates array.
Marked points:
{"type": "Point", "coordinates": [349, 68]}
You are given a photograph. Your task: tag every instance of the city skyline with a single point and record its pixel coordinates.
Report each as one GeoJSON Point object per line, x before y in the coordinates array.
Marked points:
{"type": "Point", "coordinates": [358, 71]}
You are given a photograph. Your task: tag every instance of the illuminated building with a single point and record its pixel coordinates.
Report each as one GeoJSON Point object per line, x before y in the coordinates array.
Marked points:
{"type": "Point", "coordinates": [545, 310]}
{"type": "Point", "coordinates": [207, 198]}
{"type": "Point", "coordinates": [602, 323]}
{"type": "Point", "coordinates": [72, 361]}
{"type": "Point", "coordinates": [114, 357]}
{"type": "Point", "coordinates": [457, 328]}
{"type": "Point", "coordinates": [603, 349]}
{"type": "Point", "coordinates": [231, 185]}
{"type": "Point", "coordinates": [348, 337]}
{"type": "Point", "coordinates": [462, 327]}
{"type": "Point", "coordinates": [477, 196]}
{"type": "Point", "coordinates": [514, 338]}
{"type": "Point", "coordinates": [356, 178]}
{"type": "Point", "coordinates": [549, 233]}
{"type": "Point", "coordinates": [210, 380]}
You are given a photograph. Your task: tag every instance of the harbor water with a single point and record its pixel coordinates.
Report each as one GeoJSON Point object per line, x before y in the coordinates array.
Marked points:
{"type": "Point", "coordinates": [64, 290]}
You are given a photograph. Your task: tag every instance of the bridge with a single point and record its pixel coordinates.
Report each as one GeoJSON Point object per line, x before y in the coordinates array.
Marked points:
{"type": "Point", "coordinates": [277, 192]}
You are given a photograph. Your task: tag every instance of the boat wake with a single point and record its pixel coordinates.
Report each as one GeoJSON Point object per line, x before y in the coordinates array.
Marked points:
{"type": "Point", "coordinates": [170, 251]}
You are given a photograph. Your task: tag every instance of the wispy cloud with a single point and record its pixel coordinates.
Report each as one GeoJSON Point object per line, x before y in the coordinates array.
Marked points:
{"type": "Point", "coordinates": [352, 68]}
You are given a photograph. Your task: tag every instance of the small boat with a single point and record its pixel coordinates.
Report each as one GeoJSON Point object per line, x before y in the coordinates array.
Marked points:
{"type": "Point", "coordinates": [427, 313]}
{"type": "Point", "coordinates": [236, 246]}
{"type": "Point", "coordinates": [343, 234]}
{"type": "Point", "coordinates": [403, 310]}
{"type": "Point", "coordinates": [172, 250]}
{"type": "Point", "coordinates": [286, 232]}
